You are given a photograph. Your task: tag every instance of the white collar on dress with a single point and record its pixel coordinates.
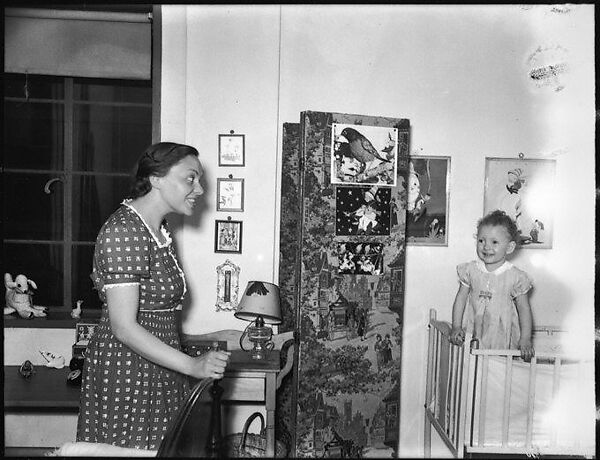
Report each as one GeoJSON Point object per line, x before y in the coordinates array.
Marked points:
{"type": "Point", "coordinates": [501, 269]}
{"type": "Point", "coordinates": [163, 230]}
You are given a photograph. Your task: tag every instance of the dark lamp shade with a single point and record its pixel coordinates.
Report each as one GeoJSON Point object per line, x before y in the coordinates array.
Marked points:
{"type": "Point", "coordinates": [260, 299]}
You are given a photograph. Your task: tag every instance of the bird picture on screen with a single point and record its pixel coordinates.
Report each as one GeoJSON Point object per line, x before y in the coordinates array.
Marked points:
{"type": "Point", "coordinates": [364, 155]}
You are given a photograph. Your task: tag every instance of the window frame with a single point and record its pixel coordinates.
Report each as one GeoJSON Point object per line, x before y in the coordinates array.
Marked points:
{"type": "Point", "coordinates": [67, 175]}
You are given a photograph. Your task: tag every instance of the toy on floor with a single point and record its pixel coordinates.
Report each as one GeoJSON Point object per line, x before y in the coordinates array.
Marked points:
{"type": "Point", "coordinates": [19, 297]}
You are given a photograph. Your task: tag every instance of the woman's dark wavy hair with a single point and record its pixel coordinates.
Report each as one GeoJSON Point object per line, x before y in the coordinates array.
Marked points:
{"type": "Point", "coordinates": [500, 218]}
{"type": "Point", "coordinates": [156, 161]}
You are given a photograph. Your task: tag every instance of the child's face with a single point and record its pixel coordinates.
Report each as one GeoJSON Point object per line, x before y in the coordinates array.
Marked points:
{"type": "Point", "coordinates": [493, 245]}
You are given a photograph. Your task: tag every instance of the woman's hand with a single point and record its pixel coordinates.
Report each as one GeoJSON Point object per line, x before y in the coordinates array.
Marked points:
{"type": "Point", "coordinates": [457, 336]}
{"type": "Point", "coordinates": [210, 365]}
{"type": "Point", "coordinates": [527, 351]}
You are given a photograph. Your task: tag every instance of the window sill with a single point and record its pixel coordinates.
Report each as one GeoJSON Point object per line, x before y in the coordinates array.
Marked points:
{"type": "Point", "coordinates": [57, 319]}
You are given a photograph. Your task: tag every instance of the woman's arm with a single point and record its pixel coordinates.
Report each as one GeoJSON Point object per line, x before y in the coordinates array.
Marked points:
{"type": "Point", "coordinates": [526, 325]}
{"type": "Point", "coordinates": [457, 335]}
{"type": "Point", "coordinates": [123, 304]}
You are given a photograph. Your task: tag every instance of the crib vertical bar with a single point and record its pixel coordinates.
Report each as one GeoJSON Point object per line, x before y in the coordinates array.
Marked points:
{"type": "Point", "coordinates": [458, 396]}
{"type": "Point", "coordinates": [530, 401]}
{"type": "Point", "coordinates": [555, 390]}
{"type": "Point", "coordinates": [449, 391]}
{"type": "Point", "coordinates": [471, 393]}
{"type": "Point", "coordinates": [467, 370]}
{"type": "Point", "coordinates": [506, 410]}
{"type": "Point", "coordinates": [436, 375]}
{"type": "Point", "coordinates": [452, 399]}
{"type": "Point", "coordinates": [427, 427]}
{"type": "Point", "coordinates": [580, 378]}
{"type": "Point", "coordinates": [483, 400]}
{"type": "Point", "coordinates": [429, 366]}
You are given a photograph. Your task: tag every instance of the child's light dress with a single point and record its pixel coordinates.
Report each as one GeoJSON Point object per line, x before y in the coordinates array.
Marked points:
{"type": "Point", "coordinates": [491, 314]}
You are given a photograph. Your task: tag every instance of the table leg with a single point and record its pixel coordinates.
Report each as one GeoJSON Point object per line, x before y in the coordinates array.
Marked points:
{"type": "Point", "coordinates": [270, 403]}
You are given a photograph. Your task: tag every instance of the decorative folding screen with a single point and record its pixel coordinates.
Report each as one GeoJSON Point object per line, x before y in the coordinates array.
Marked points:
{"type": "Point", "coordinates": [341, 274]}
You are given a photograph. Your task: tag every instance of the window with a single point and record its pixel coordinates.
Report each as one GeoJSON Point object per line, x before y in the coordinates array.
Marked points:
{"type": "Point", "coordinates": [69, 148]}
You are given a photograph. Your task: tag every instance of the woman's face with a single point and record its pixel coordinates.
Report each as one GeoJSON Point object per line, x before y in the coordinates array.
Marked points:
{"type": "Point", "coordinates": [181, 186]}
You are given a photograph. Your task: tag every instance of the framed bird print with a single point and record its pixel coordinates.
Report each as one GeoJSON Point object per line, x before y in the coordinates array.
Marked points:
{"type": "Point", "coordinates": [228, 236]}
{"type": "Point", "coordinates": [364, 155]}
{"type": "Point", "coordinates": [231, 149]}
{"type": "Point", "coordinates": [230, 194]}
{"type": "Point", "coordinates": [428, 197]}
{"type": "Point", "coordinates": [524, 189]}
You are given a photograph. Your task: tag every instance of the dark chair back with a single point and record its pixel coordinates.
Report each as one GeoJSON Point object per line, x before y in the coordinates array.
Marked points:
{"type": "Point", "coordinates": [190, 431]}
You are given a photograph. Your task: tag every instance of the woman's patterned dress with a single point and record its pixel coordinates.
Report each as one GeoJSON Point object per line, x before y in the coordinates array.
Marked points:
{"type": "Point", "coordinates": [127, 400]}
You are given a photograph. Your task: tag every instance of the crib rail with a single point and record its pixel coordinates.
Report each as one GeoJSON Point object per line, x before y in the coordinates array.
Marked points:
{"type": "Point", "coordinates": [456, 397]}
{"type": "Point", "coordinates": [478, 409]}
{"type": "Point", "coordinates": [446, 371]}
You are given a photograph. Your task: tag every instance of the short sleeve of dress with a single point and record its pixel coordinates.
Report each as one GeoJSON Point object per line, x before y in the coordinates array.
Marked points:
{"type": "Point", "coordinates": [122, 254]}
{"type": "Point", "coordinates": [463, 274]}
{"type": "Point", "coordinates": [522, 284]}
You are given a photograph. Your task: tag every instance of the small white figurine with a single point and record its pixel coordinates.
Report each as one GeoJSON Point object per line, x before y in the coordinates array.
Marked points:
{"type": "Point", "coordinates": [52, 360]}
{"type": "Point", "coordinates": [76, 312]}
{"type": "Point", "coordinates": [19, 297]}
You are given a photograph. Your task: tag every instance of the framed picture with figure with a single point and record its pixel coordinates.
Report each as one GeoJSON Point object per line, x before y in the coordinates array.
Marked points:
{"type": "Point", "coordinates": [428, 199]}
{"type": "Point", "coordinates": [228, 236]}
{"type": "Point", "coordinates": [230, 194]}
{"type": "Point", "coordinates": [525, 190]}
{"type": "Point", "coordinates": [231, 149]}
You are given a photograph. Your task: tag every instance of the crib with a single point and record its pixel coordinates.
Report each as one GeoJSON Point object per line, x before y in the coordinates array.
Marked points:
{"type": "Point", "coordinates": [486, 403]}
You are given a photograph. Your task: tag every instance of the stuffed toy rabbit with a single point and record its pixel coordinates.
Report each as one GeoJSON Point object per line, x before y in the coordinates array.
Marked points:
{"type": "Point", "coordinates": [18, 297]}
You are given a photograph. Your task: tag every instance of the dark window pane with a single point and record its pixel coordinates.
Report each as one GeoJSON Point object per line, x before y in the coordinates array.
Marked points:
{"type": "Point", "coordinates": [110, 139]}
{"type": "Point", "coordinates": [33, 135]}
{"type": "Point", "coordinates": [33, 86]}
{"type": "Point", "coordinates": [41, 263]}
{"type": "Point", "coordinates": [29, 212]}
{"type": "Point", "coordinates": [135, 91]}
{"type": "Point", "coordinates": [80, 273]}
{"type": "Point", "coordinates": [95, 198]}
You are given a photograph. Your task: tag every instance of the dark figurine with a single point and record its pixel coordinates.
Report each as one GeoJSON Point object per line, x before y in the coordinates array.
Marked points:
{"type": "Point", "coordinates": [26, 370]}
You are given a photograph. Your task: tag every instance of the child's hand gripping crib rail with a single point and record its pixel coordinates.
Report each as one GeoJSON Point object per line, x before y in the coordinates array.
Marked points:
{"type": "Point", "coordinates": [490, 401]}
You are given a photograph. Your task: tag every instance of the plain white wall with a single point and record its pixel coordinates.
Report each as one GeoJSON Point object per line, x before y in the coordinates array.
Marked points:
{"type": "Point", "coordinates": [459, 73]}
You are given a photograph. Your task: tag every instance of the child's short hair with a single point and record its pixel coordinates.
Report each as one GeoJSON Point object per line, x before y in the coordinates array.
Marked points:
{"type": "Point", "coordinates": [500, 218]}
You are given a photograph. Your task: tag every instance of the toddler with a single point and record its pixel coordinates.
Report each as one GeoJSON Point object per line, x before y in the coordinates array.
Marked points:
{"type": "Point", "coordinates": [493, 288]}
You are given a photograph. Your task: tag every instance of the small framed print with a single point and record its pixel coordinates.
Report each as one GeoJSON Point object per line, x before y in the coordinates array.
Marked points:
{"type": "Point", "coordinates": [228, 236]}
{"type": "Point", "coordinates": [231, 149]}
{"type": "Point", "coordinates": [230, 194]}
{"type": "Point", "coordinates": [84, 332]}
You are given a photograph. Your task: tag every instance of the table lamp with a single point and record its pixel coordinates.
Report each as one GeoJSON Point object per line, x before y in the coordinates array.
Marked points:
{"type": "Point", "coordinates": [259, 304]}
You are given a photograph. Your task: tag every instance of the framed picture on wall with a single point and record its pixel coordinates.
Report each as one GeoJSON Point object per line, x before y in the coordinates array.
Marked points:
{"type": "Point", "coordinates": [228, 236]}
{"type": "Point", "coordinates": [524, 189]}
{"type": "Point", "coordinates": [428, 200]}
{"type": "Point", "coordinates": [230, 194]}
{"type": "Point", "coordinates": [231, 149]}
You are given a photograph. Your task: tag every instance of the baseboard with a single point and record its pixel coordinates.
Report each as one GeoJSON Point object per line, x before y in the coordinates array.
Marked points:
{"type": "Point", "coordinates": [27, 451]}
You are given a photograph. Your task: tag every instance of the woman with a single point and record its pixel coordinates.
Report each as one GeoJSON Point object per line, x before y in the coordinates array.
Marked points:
{"type": "Point", "coordinates": [135, 377]}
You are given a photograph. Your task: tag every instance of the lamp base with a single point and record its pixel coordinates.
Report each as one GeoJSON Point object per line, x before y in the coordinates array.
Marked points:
{"type": "Point", "coordinates": [259, 352]}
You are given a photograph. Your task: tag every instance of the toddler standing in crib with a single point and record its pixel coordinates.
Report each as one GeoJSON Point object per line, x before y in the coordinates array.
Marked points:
{"type": "Point", "coordinates": [494, 291]}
